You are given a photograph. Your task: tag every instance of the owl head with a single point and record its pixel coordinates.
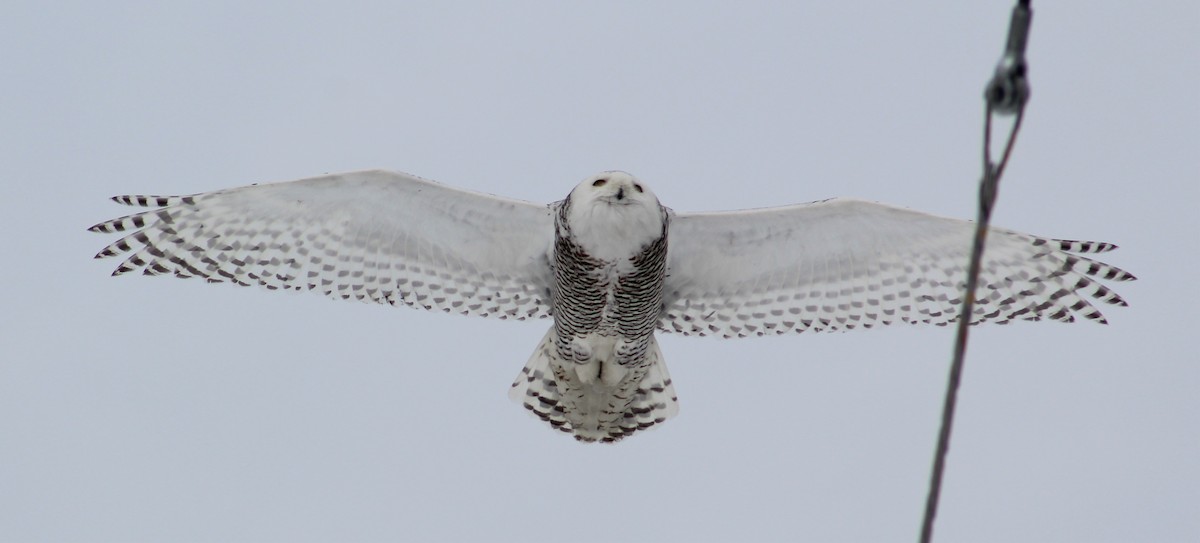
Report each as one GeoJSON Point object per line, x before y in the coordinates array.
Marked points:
{"type": "Point", "coordinates": [614, 188]}
{"type": "Point", "coordinates": [614, 214]}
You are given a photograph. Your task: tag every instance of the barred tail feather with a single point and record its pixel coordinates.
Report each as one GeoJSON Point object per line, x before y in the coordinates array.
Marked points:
{"type": "Point", "coordinates": [655, 400]}
{"type": "Point", "coordinates": [539, 390]}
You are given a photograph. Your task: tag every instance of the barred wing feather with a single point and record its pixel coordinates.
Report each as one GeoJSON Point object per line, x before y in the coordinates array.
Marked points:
{"type": "Point", "coordinates": [375, 235]}
{"type": "Point", "coordinates": [842, 264]}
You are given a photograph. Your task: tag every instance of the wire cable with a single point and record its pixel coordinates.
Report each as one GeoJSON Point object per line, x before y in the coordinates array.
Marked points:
{"type": "Point", "coordinates": [1006, 94]}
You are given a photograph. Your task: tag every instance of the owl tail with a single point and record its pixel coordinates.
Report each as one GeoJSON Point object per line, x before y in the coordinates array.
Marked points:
{"type": "Point", "coordinates": [538, 389]}
{"type": "Point", "coordinates": [654, 399]}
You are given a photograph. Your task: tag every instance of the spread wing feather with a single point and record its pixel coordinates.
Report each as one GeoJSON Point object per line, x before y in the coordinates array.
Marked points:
{"type": "Point", "coordinates": [375, 235]}
{"type": "Point", "coordinates": [842, 264]}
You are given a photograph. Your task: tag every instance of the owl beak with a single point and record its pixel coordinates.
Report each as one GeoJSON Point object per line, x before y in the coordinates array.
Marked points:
{"type": "Point", "coordinates": [621, 193]}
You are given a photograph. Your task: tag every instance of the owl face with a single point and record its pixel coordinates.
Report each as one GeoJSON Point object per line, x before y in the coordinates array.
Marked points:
{"type": "Point", "coordinates": [613, 188]}
{"type": "Point", "coordinates": [613, 215]}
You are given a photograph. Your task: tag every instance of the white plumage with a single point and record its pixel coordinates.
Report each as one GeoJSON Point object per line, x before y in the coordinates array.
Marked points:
{"type": "Point", "coordinates": [611, 266]}
{"type": "Point", "coordinates": [372, 235]}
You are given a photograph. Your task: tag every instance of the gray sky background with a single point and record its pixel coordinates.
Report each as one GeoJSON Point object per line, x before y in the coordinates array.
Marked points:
{"type": "Point", "coordinates": [154, 409]}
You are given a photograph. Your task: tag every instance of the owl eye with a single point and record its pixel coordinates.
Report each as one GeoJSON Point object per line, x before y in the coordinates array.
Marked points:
{"type": "Point", "coordinates": [599, 182]}
{"type": "Point", "coordinates": [638, 187]}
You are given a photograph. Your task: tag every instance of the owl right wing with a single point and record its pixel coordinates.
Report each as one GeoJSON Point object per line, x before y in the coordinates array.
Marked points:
{"type": "Point", "coordinates": [842, 264]}
{"type": "Point", "coordinates": [376, 235]}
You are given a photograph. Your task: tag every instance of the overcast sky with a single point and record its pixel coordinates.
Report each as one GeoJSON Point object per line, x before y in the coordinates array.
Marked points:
{"type": "Point", "coordinates": [154, 409]}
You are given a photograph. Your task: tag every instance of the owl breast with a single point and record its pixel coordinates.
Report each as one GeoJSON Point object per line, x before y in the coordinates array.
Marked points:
{"type": "Point", "coordinates": [605, 313]}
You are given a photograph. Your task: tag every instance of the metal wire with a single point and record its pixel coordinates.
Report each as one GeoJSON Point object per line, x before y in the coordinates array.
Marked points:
{"type": "Point", "coordinates": [1007, 93]}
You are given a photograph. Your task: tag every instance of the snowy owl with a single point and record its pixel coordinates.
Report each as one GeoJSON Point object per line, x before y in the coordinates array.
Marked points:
{"type": "Point", "coordinates": [611, 266]}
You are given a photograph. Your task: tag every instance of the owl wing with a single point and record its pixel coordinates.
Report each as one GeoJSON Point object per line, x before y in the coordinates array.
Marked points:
{"type": "Point", "coordinates": [374, 235]}
{"type": "Point", "coordinates": [842, 264]}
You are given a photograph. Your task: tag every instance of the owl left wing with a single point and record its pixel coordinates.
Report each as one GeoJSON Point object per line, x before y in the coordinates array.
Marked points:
{"type": "Point", "coordinates": [375, 235]}
{"type": "Point", "coordinates": [842, 264]}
